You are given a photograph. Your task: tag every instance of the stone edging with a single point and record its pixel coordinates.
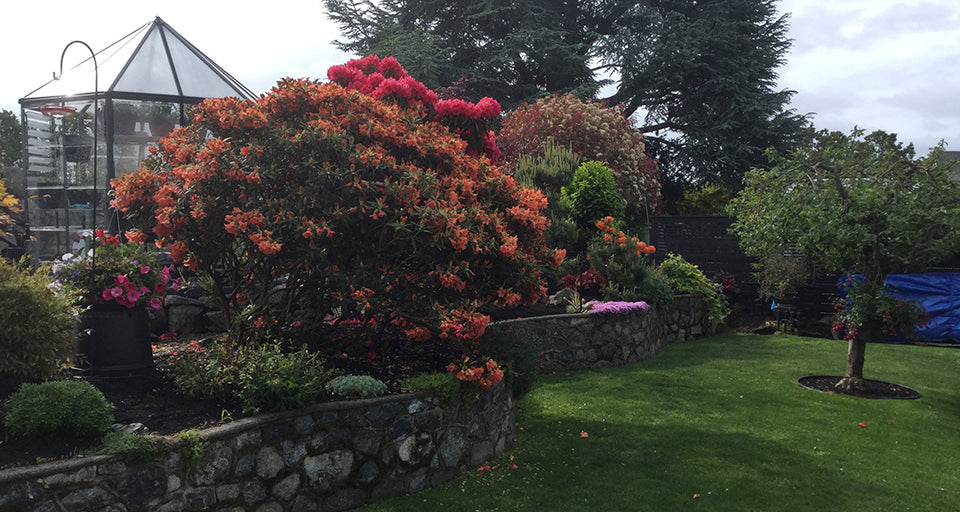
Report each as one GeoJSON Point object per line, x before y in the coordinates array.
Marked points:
{"type": "Point", "coordinates": [591, 340]}
{"type": "Point", "coordinates": [330, 456]}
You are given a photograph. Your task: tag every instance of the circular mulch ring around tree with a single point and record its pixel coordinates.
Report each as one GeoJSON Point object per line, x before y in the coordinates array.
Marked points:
{"type": "Point", "coordinates": [876, 389]}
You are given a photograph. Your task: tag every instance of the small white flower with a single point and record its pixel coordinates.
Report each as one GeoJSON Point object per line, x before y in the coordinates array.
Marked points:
{"type": "Point", "coordinates": [67, 257]}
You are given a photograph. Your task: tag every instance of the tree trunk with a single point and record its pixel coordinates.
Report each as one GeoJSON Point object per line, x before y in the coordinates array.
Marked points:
{"type": "Point", "coordinates": [853, 379]}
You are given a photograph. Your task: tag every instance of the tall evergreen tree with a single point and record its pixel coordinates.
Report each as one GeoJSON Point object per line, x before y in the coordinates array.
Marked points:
{"type": "Point", "coordinates": [702, 73]}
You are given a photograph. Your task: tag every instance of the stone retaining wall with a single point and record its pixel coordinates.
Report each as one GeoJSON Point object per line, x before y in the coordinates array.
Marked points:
{"type": "Point", "coordinates": [332, 456]}
{"type": "Point", "coordinates": [597, 340]}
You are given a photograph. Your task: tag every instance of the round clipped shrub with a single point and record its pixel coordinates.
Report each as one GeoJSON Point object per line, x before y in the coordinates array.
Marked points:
{"type": "Point", "coordinates": [357, 385]}
{"type": "Point", "coordinates": [55, 406]}
{"type": "Point", "coordinates": [38, 326]}
{"type": "Point", "coordinates": [593, 195]}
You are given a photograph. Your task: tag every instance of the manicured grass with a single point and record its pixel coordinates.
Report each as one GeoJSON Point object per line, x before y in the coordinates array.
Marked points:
{"type": "Point", "coordinates": [720, 424]}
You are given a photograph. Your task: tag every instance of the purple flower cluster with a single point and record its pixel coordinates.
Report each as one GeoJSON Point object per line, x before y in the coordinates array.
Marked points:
{"type": "Point", "coordinates": [595, 306]}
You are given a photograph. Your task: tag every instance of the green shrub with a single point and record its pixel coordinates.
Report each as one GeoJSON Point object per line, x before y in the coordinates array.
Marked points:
{"type": "Point", "coordinates": [593, 195]}
{"type": "Point", "coordinates": [192, 449]}
{"type": "Point", "coordinates": [38, 326]}
{"type": "Point", "coordinates": [357, 385]}
{"type": "Point", "coordinates": [132, 447]}
{"type": "Point", "coordinates": [515, 349]}
{"type": "Point", "coordinates": [686, 278]}
{"type": "Point", "coordinates": [54, 406]}
{"type": "Point", "coordinates": [445, 385]}
{"type": "Point", "coordinates": [261, 378]}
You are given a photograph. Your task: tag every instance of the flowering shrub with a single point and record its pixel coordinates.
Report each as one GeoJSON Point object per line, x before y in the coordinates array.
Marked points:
{"type": "Point", "coordinates": [484, 371]}
{"type": "Point", "coordinates": [362, 204]}
{"type": "Point", "coordinates": [593, 132]}
{"type": "Point", "coordinates": [115, 272]}
{"type": "Point", "coordinates": [875, 311]}
{"type": "Point", "coordinates": [387, 80]}
{"type": "Point", "coordinates": [624, 262]}
{"type": "Point", "coordinates": [615, 306]}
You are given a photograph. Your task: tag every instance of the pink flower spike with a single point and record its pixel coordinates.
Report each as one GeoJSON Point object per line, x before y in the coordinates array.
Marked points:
{"type": "Point", "coordinates": [514, 466]}
{"type": "Point", "coordinates": [862, 425]}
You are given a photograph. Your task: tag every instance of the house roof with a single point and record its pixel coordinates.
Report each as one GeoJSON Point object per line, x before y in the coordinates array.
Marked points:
{"type": "Point", "coordinates": [152, 62]}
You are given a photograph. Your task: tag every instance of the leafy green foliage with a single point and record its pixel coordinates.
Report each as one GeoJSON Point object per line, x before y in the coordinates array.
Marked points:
{"type": "Point", "coordinates": [593, 195]}
{"type": "Point", "coordinates": [704, 200]}
{"type": "Point", "coordinates": [37, 324]}
{"type": "Point", "coordinates": [260, 378]}
{"type": "Point", "coordinates": [686, 278]}
{"type": "Point", "coordinates": [132, 447]}
{"type": "Point", "coordinates": [857, 204]}
{"type": "Point", "coordinates": [516, 349]}
{"type": "Point", "coordinates": [853, 204]}
{"type": "Point", "coordinates": [192, 449]}
{"type": "Point", "coordinates": [444, 384]}
{"type": "Point", "coordinates": [56, 406]}
{"type": "Point", "coordinates": [782, 276]}
{"type": "Point", "coordinates": [10, 139]}
{"type": "Point", "coordinates": [357, 385]}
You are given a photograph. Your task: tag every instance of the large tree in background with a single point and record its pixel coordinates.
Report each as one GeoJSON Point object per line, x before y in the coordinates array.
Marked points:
{"type": "Point", "coordinates": [700, 73]}
{"type": "Point", "coordinates": [856, 205]}
{"type": "Point", "coordinates": [9, 139]}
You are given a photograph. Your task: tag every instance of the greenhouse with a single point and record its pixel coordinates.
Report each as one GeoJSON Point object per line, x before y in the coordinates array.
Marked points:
{"type": "Point", "coordinates": [96, 120]}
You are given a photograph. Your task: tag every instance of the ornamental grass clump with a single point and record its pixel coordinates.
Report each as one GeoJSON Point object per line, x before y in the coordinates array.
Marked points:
{"type": "Point", "coordinates": [369, 197]}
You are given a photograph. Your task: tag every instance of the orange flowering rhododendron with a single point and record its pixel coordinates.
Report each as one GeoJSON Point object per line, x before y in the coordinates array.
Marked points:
{"type": "Point", "coordinates": [365, 206]}
{"type": "Point", "coordinates": [485, 371]}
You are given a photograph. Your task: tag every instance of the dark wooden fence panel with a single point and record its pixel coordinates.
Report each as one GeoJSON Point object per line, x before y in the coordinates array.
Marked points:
{"type": "Point", "coordinates": [704, 241]}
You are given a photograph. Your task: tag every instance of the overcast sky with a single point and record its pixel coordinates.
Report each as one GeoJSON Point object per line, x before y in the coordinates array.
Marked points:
{"type": "Point", "coordinates": [879, 64]}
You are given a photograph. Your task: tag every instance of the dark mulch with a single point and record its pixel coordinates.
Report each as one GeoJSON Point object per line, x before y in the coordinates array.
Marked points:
{"type": "Point", "coordinates": [875, 389]}
{"type": "Point", "coordinates": [148, 398]}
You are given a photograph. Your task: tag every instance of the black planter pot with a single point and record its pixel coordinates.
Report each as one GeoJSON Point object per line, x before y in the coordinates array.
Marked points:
{"type": "Point", "coordinates": [114, 340]}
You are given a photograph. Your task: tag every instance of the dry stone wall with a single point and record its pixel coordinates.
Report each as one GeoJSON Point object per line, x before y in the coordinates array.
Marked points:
{"type": "Point", "coordinates": [332, 456]}
{"type": "Point", "coordinates": [597, 340]}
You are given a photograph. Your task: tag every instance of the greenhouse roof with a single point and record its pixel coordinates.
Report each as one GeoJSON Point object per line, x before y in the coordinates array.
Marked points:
{"type": "Point", "coordinates": [152, 62]}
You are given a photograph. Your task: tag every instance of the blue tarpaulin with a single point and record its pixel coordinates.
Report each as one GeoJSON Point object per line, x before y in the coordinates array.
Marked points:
{"type": "Point", "coordinates": [939, 294]}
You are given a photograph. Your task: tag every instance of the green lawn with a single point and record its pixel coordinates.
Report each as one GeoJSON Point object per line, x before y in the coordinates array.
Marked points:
{"type": "Point", "coordinates": [720, 424]}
